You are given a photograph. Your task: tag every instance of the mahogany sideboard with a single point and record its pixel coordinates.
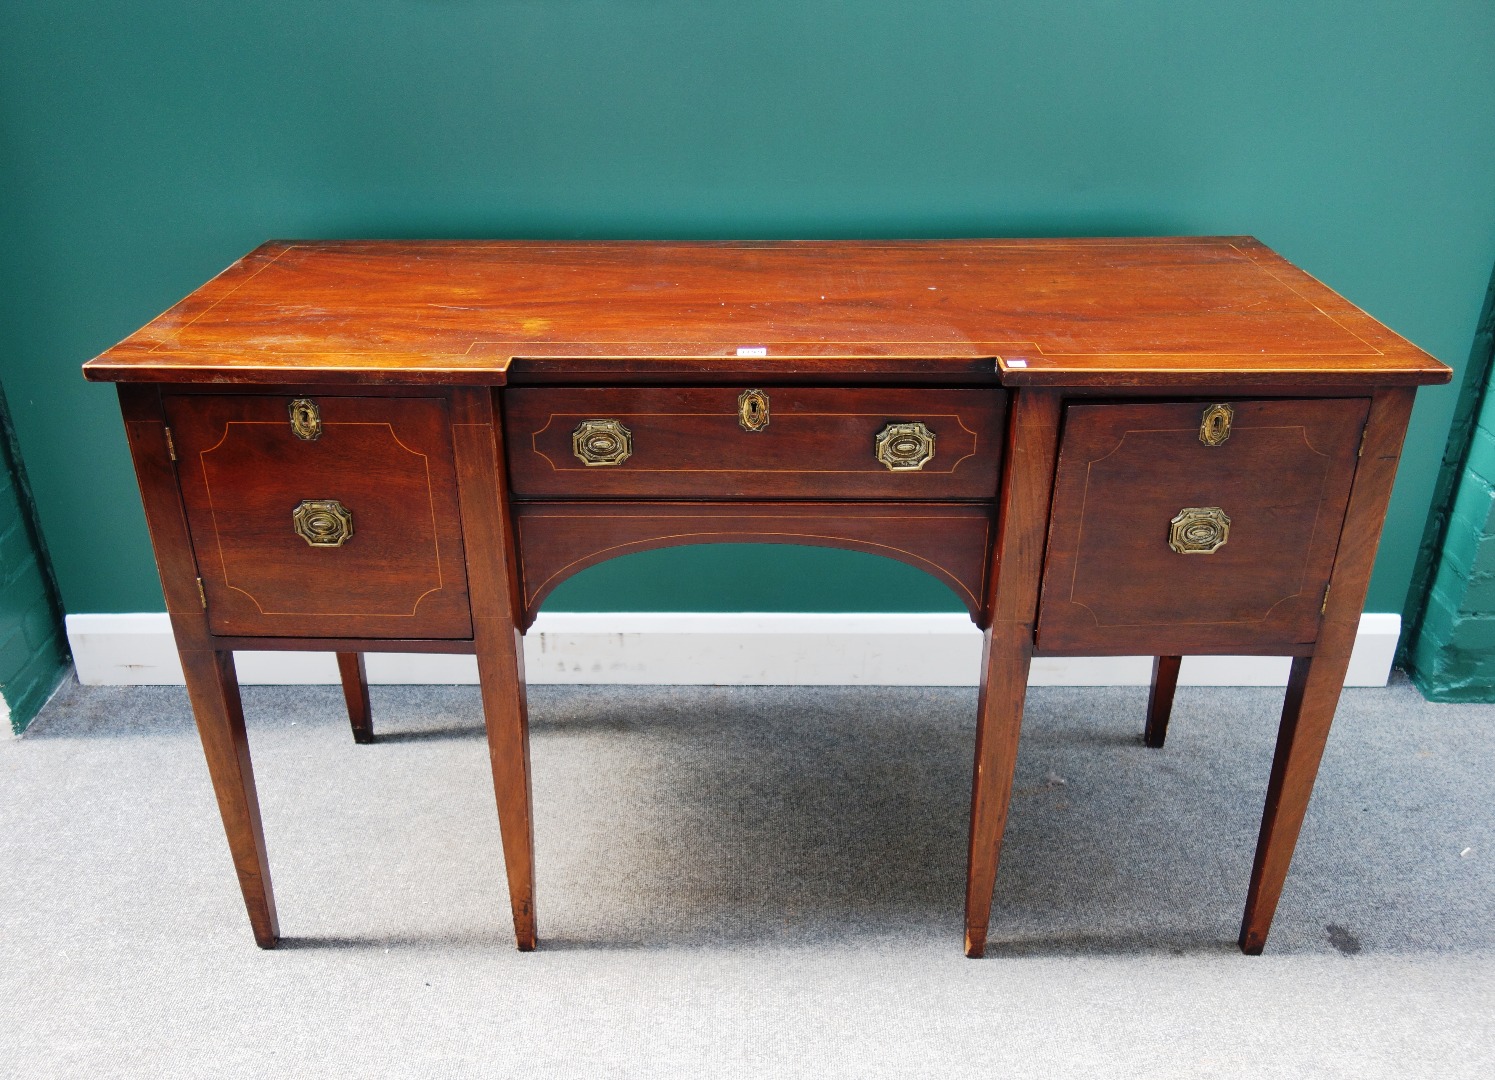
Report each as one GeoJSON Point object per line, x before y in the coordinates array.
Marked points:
{"type": "Point", "coordinates": [1102, 446]}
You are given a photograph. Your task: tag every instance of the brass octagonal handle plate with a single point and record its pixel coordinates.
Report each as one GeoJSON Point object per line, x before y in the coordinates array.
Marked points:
{"type": "Point", "coordinates": [1198, 530]}
{"type": "Point", "coordinates": [601, 442]}
{"type": "Point", "coordinates": [323, 522]}
{"type": "Point", "coordinates": [904, 447]}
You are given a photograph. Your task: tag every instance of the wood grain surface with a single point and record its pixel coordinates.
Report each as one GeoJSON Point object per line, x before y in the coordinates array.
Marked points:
{"type": "Point", "coordinates": [1052, 529]}
{"type": "Point", "coordinates": [492, 566]}
{"type": "Point", "coordinates": [1119, 311]}
{"type": "Point", "coordinates": [387, 460]}
{"type": "Point", "coordinates": [819, 443]}
{"type": "Point", "coordinates": [947, 540]}
{"type": "Point", "coordinates": [1012, 600]}
{"type": "Point", "coordinates": [1315, 682]}
{"type": "Point", "coordinates": [212, 685]}
{"type": "Point", "coordinates": [1112, 585]}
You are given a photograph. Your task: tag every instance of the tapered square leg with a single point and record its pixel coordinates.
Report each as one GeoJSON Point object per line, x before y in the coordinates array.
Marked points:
{"type": "Point", "coordinates": [212, 685]}
{"type": "Point", "coordinates": [1012, 606]}
{"type": "Point", "coordinates": [501, 671]}
{"type": "Point", "coordinates": [999, 721]}
{"type": "Point", "coordinates": [1315, 682]}
{"type": "Point", "coordinates": [214, 689]}
{"type": "Point", "coordinates": [492, 575]}
{"type": "Point", "coordinates": [355, 679]}
{"type": "Point", "coordinates": [1160, 699]}
{"type": "Point", "coordinates": [1312, 694]}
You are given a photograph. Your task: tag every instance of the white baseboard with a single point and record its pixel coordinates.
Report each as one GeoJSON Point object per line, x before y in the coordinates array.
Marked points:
{"type": "Point", "coordinates": [715, 649]}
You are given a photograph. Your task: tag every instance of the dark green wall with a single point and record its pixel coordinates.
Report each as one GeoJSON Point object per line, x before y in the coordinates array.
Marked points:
{"type": "Point", "coordinates": [33, 657]}
{"type": "Point", "coordinates": [146, 145]}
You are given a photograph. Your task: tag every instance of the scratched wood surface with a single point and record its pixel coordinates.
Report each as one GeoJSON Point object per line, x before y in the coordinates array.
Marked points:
{"type": "Point", "coordinates": [1069, 557]}
{"type": "Point", "coordinates": [1112, 311]}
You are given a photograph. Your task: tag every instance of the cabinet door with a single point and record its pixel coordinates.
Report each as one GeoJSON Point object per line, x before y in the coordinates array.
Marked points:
{"type": "Point", "coordinates": [1166, 539]}
{"type": "Point", "coordinates": [349, 529]}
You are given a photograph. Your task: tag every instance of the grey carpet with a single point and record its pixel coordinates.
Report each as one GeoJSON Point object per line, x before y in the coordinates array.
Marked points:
{"type": "Point", "coordinates": [746, 881]}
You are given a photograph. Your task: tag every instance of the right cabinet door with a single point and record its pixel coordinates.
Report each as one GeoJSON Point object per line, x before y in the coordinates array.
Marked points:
{"type": "Point", "coordinates": [1195, 527]}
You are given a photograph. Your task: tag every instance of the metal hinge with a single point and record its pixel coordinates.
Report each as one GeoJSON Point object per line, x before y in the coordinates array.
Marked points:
{"type": "Point", "coordinates": [202, 594]}
{"type": "Point", "coordinates": [170, 446]}
{"type": "Point", "coordinates": [1364, 433]}
{"type": "Point", "coordinates": [1324, 608]}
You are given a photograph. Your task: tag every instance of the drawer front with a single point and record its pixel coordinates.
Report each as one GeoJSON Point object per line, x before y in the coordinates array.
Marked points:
{"type": "Point", "coordinates": [768, 442]}
{"type": "Point", "coordinates": [1162, 543]}
{"type": "Point", "coordinates": [352, 531]}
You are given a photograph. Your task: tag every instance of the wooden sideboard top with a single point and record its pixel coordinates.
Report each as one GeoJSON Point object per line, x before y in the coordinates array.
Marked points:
{"type": "Point", "coordinates": [1081, 312]}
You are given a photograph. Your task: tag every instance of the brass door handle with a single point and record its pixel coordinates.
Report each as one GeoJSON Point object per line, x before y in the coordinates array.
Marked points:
{"type": "Point", "coordinates": [323, 522]}
{"type": "Point", "coordinates": [904, 447]}
{"type": "Point", "coordinates": [1198, 530]}
{"type": "Point", "coordinates": [601, 442]}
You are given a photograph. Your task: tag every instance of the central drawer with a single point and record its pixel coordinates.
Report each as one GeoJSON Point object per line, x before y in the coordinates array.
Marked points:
{"type": "Point", "coordinates": [754, 442]}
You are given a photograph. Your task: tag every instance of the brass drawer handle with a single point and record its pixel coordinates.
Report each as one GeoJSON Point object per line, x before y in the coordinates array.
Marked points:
{"type": "Point", "coordinates": [323, 522]}
{"type": "Point", "coordinates": [1199, 530]}
{"type": "Point", "coordinates": [601, 442]}
{"type": "Point", "coordinates": [1214, 426]}
{"type": "Point", "coordinates": [905, 447]}
{"type": "Point", "coordinates": [752, 410]}
{"type": "Point", "coordinates": [306, 419]}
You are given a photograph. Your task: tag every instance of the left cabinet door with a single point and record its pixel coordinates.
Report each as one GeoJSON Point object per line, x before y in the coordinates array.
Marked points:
{"type": "Point", "coordinates": [323, 516]}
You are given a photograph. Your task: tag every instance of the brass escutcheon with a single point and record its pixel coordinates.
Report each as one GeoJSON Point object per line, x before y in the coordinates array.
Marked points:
{"type": "Point", "coordinates": [752, 410]}
{"type": "Point", "coordinates": [306, 419]}
{"type": "Point", "coordinates": [601, 442]}
{"type": "Point", "coordinates": [1199, 530]}
{"type": "Point", "coordinates": [323, 522]}
{"type": "Point", "coordinates": [1214, 427]}
{"type": "Point", "coordinates": [904, 447]}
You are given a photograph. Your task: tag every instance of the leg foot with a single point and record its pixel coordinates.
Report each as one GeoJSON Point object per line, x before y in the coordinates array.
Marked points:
{"type": "Point", "coordinates": [356, 693]}
{"type": "Point", "coordinates": [975, 943]}
{"type": "Point", "coordinates": [1160, 699]}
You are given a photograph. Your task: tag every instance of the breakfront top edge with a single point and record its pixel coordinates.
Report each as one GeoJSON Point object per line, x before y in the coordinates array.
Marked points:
{"type": "Point", "coordinates": [1081, 312]}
